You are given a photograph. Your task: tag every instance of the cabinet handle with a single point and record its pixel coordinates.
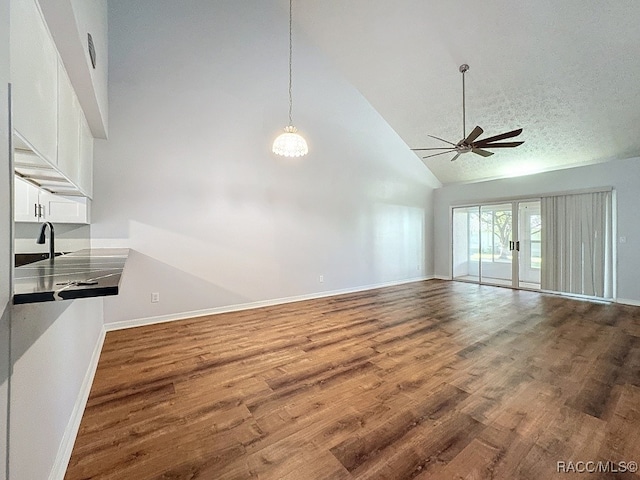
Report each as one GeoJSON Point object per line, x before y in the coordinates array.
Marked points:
{"type": "Point", "coordinates": [35, 210]}
{"type": "Point", "coordinates": [40, 211]}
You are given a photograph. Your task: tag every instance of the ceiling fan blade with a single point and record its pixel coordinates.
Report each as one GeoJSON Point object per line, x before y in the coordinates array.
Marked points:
{"type": "Point", "coordinates": [456, 157]}
{"type": "Point", "coordinates": [441, 153]}
{"type": "Point", "coordinates": [502, 136]}
{"type": "Point", "coordinates": [482, 153]}
{"type": "Point", "coordinates": [442, 140]}
{"type": "Point", "coordinates": [436, 148]}
{"type": "Point", "coordinates": [475, 133]}
{"type": "Point", "coordinates": [496, 145]}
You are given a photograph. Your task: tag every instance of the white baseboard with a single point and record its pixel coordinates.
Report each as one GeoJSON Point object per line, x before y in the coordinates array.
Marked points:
{"type": "Point", "coordinates": [624, 301]}
{"type": "Point", "coordinates": [442, 277]}
{"type": "Point", "coordinates": [68, 439]}
{"type": "Point", "coordinates": [139, 322]}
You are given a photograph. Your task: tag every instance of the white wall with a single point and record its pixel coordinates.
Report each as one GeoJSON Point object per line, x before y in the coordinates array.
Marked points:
{"type": "Point", "coordinates": [53, 346]}
{"type": "Point", "coordinates": [5, 238]}
{"type": "Point", "coordinates": [197, 95]}
{"type": "Point", "coordinates": [623, 175]}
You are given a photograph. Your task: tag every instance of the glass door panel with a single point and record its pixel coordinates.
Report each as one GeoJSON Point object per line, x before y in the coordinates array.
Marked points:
{"type": "Point", "coordinates": [496, 232]}
{"type": "Point", "coordinates": [498, 244]}
{"type": "Point", "coordinates": [529, 235]}
{"type": "Point", "coordinates": [466, 244]}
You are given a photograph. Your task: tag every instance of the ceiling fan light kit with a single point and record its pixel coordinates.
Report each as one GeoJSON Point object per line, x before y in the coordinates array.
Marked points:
{"type": "Point", "coordinates": [469, 142]}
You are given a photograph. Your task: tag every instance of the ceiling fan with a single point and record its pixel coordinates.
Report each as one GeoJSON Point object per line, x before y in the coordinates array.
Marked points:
{"type": "Point", "coordinates": [469, 143]}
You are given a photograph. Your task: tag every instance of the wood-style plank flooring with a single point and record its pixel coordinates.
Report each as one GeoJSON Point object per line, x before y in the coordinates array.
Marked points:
{"type": "Point", "coordinates": [428, 380]}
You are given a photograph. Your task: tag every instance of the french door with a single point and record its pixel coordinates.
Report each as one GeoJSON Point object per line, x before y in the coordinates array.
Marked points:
{"type": "Point", "coordinates": [498, 244]}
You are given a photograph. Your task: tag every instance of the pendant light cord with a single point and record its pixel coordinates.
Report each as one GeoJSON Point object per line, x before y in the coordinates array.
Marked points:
{"type": "Point", "coordinates": [290, 143]}
{"type": "Point", "coordinates": [290, 59]}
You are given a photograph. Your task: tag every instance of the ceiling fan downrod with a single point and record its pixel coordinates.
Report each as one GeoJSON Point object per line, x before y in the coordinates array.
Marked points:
{"type": "Point", "coordinates": [463, 69]}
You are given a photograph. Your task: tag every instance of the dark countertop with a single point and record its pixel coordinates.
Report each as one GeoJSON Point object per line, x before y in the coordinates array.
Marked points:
{"type": "Point", "coordinates": [81, 274]}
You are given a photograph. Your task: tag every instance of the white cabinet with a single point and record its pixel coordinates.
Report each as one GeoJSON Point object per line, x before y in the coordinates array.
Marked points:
{"type": "Point", "coordinates": [62, 209]}
{"type": "Point", "coordinates": [34, 205]}
{"type": "Point", "coordinates": [47, 115]}
{"type": "Point", "coordinates": [27, 204]}
{"type": "Point", "coordinates": [69, 113]}
{"type": "Point", "coordinates": [75, 141]}
{"type": "Point", "coordinates": [34, 76]}
{"type": "Point", "coordinates": [86, 157]}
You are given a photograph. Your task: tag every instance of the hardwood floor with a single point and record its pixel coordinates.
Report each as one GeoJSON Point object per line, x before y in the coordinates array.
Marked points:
{"type": "Point", "coordinates": [428, 380]}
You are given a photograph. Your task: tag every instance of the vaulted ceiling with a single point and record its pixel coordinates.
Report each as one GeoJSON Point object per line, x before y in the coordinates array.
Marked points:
{"type": "Point", "coordinates": [567, 72]}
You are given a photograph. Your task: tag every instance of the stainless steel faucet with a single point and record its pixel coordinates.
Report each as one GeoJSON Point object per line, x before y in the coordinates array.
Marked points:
{"type": "Point", "coordinates": [40, 240]}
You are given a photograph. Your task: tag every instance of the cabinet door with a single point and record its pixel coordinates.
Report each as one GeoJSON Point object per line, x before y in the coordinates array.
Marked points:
{"type": "Point", "coordinates": [86, 157]}
{"type": "Point", "coordinates": [26, 202]}
{"type": "Point", "coordinates": [34, 73]}
{"type": "Point", "coordinates": [68, 128]}
{"type": "Point", "coordinates": [60, 209]}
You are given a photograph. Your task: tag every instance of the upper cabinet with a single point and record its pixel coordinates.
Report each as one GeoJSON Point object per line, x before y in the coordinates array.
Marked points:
{"type": "Point", "coordinates": [34, 79]}
{"type": "Point", "coordinates": [48, 119]}
{"type": "Point", "coordinates": [86, 157]}
{"type": "Point", "coordinates": [69, 113]}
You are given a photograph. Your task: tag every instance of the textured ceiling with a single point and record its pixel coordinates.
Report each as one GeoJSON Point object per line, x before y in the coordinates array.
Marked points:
{"type": "Point", "coordinates": [567, 72]}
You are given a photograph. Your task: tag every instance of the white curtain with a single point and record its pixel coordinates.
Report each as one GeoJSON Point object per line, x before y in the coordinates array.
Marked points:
{"type": "Point", "coordinates": [576, 244]}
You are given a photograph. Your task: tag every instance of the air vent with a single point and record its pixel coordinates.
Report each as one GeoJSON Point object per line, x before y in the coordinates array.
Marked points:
{"type": "Point", "coordinates": [92, 51]}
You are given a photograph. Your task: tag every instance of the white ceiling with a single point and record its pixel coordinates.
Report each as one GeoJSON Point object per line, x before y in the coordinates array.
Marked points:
{"type": "Point", "coordinates": [566, 71]}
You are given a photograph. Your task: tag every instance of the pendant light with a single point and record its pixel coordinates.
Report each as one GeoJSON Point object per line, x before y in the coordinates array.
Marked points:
{"type": "Point", "coordinates": [290, 143]}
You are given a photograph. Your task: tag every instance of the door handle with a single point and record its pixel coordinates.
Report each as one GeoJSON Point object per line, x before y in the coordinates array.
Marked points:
{"type": "Point", "coordinates": [510, 246]}
{"type": "Point", "coordinates": [518, 245]}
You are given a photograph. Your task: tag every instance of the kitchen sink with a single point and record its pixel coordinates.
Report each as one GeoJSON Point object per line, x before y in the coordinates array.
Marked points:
{"type": "Point", "coordinates": [27, 258]}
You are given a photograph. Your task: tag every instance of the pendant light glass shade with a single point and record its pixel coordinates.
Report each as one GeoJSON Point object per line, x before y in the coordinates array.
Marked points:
{"type": "Point", "coordinates": [290, 143]}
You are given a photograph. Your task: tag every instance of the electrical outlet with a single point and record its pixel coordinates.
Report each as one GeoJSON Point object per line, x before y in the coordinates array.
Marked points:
{"type": "Point", "coordinates": [155, 297]}
{"type": "Point", "coordinates": [321, 278]}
